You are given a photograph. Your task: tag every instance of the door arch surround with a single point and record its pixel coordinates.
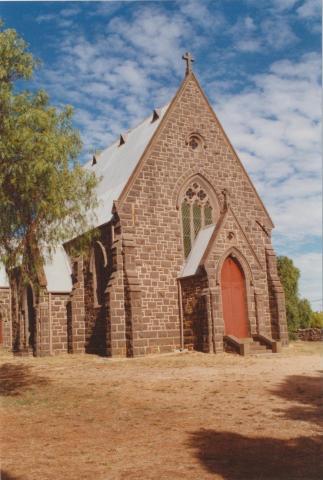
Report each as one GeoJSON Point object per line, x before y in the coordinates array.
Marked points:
{"type": "Point", "coordinates": [234, 296]}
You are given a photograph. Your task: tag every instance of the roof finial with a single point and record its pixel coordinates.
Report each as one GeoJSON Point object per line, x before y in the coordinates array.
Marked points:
{"type": "Point", "coordinates": [189, 60]}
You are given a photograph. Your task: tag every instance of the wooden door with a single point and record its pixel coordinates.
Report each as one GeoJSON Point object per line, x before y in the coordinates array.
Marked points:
{"type": "Point", "coordinates": [234, 303]}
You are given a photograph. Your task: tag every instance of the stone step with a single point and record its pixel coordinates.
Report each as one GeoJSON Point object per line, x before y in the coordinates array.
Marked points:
{"type": "Point", "coordinates": [256, 347]}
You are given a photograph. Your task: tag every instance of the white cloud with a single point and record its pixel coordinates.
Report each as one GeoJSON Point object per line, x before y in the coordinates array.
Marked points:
{"type": "Point", "coordinates": [310, 265]}
{"type": "Point", "coordinates": [310, 9]}
{"type": "Point", "coordinates": [203, 14]}
{"type": "Point", "coordinates": [275, 126]}
{"type": "Point", "coordinates": [48, 17]}
{"type": "Point", "coordinates": [70, 11]}
{"type": "Point", "coordinates": [277, 33]}
{"type": "Point", "coordinates": [119, 74]}
{"type": "Point", "coordinates": [250, 35]}
{"type": "Point", "coordinates": [156, 36]}
{"type": "Point", "coordinates": [248, 45]}
{"type": "Point", "coordinates": [281, 5]}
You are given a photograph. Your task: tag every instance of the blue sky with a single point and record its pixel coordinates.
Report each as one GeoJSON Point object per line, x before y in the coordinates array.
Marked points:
{"type": "Point", "coordinates": [258, 61]}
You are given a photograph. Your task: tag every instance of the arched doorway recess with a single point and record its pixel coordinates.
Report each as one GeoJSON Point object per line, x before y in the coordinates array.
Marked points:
{"type": "Point", "coordinates": [234, 299]}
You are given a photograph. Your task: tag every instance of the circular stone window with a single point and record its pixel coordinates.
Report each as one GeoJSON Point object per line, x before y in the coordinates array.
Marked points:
{"type": "Point", "coordinates": [194, 142]}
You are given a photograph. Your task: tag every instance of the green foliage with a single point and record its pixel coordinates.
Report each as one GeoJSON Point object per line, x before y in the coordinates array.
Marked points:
{"type": "Point", "coordinates": [298, 311]}
{"type": "Point", "coordinates": [289, 276]}
{"type": "Point", "coordinates": [16, 61]}
{"type": "Point", "coordinates": [45, 195]}
{"type": "Point", "coordinates": [305, 313]}
{"type": "Point", "coordinates": [317, 320]}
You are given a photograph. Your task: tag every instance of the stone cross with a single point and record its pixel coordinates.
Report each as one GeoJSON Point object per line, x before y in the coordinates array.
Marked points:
{"type": "Point", "coordinates": [189, 60]}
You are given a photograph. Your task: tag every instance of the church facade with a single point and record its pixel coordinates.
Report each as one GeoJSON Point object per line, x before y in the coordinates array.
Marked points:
{"type": "Point", "coordinates": [182, 258]}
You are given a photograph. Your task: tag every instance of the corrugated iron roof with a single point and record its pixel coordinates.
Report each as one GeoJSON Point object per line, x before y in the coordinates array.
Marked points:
{"type": "Point", "coordinates": [116, 163]}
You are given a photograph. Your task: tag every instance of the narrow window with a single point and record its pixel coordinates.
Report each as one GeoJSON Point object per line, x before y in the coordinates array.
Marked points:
{"type": "Point", "coordinates": [197, 218]}
{"type": "Point", "coordinates": [186, 221]}
{"type": "Point", "coordinates": [207, 214]}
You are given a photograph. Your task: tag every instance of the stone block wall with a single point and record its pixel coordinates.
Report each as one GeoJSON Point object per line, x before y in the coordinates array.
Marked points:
{"type": "Point", "coordinates": [43, 323]}
{"type": "Point", "coordinates": [310, 334]}
{"type": "Point", "coordinates": [195, 315]}
{"type": "Point", "coordinates": [76, 327]}
{"type": "Point", "coordinates": [95, 313]}
{"type": "Point", "coordinates": [5, 318]}
{"type": "Point", "coordinates": [279, 330]}
{"type": "Point", "coordinates": [16, 326]}
{"type": "Point", "coordinates": [59, 322]}
{"type": "Point", "coordinates": [155, 221]}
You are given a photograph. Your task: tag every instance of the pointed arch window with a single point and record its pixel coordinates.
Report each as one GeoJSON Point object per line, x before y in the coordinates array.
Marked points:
{"type": "Point", "coordinates": [197, 212]}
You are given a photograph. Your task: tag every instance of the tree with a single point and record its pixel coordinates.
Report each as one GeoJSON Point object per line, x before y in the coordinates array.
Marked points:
{"type": "Point", "coordinates": [289, 276]}
{"type": "Point", "coordinates": [305, 313]}
{"type": "Point", "coordinates": [317, 320]}
{"type": "Point", "coordinates": [298, 311]}
{"type": "Point", "coordinates": [45, 195]}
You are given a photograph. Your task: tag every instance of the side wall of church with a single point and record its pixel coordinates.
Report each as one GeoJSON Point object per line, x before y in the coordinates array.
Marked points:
{"type": "Point", "coordinates": [5, 318]}
{"type": "Point", "coordinates": [15, 327]}
{"type": "Point", "coordinates": [58, 311]}
{"type": "Point", "coordinates": [95, 310]}
{"type": "Point", "coordinates": [87, 325]}
{"type": "Point", "coordinates": [49, 325]}
{"type": "Point", "coordinates": [156, 223]}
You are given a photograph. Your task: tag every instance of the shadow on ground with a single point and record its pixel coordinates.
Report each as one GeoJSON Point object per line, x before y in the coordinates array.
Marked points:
{"type": "Point", "coordinates": [16, 379]}
{"type": "Point", "coordinates": [237, 457]}
{"type": "Point", "coordinates": [7, 476]}
{"type": "Point", "coordinates": [308, 392]}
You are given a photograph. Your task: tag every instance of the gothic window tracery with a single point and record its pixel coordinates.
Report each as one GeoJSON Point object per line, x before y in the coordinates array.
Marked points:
{"type": "Point", "coordinates": [197, 212]}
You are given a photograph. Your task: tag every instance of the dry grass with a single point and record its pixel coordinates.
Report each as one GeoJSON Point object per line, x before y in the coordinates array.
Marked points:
{"type": "Point", "coordinates": [181, 416]}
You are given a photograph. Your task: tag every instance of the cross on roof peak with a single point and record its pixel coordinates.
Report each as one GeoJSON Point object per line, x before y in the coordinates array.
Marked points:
{"type": "Point", "coordinates": [188, 57]}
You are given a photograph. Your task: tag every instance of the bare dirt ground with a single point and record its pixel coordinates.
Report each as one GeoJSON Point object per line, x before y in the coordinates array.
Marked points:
{"type": "Point", "coordinates": [180, 416]}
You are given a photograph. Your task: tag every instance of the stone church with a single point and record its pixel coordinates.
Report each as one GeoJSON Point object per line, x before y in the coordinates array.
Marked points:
{"type": "Point", "coordinates": [182, 258]}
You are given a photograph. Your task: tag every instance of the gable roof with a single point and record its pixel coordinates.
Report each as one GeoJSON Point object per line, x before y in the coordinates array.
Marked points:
{"type": "Point", "coordinates": [204, 241]}
{"type": "Point", "coordinates": [168, 111]}
{"type": "Point", "coordinates": [218, 230]}
{"type": "Point", "coordinates": [116, 163]}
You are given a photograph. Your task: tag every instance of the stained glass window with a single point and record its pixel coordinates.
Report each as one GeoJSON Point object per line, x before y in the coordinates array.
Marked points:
{"type": "Point", "coordinates": [186, 220]}
{"type": "Point", "coordinates": [197, 218]}
{"type": "Point", "coordinates": [197, 213]}
{"type": "Point", "coordinates": [207, 214]}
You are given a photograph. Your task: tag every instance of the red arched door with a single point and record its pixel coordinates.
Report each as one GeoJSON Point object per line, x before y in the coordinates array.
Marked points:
{"type": "Point", "coordinates": [234, 299]}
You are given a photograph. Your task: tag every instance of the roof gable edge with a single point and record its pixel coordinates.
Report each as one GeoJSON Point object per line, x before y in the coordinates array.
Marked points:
{"type": "Point", "coordinates": [233, 149]}
{"type": "Point", "coordinates": [218, 230]}
{"type": "Point", "coordinates": [145, 153]}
